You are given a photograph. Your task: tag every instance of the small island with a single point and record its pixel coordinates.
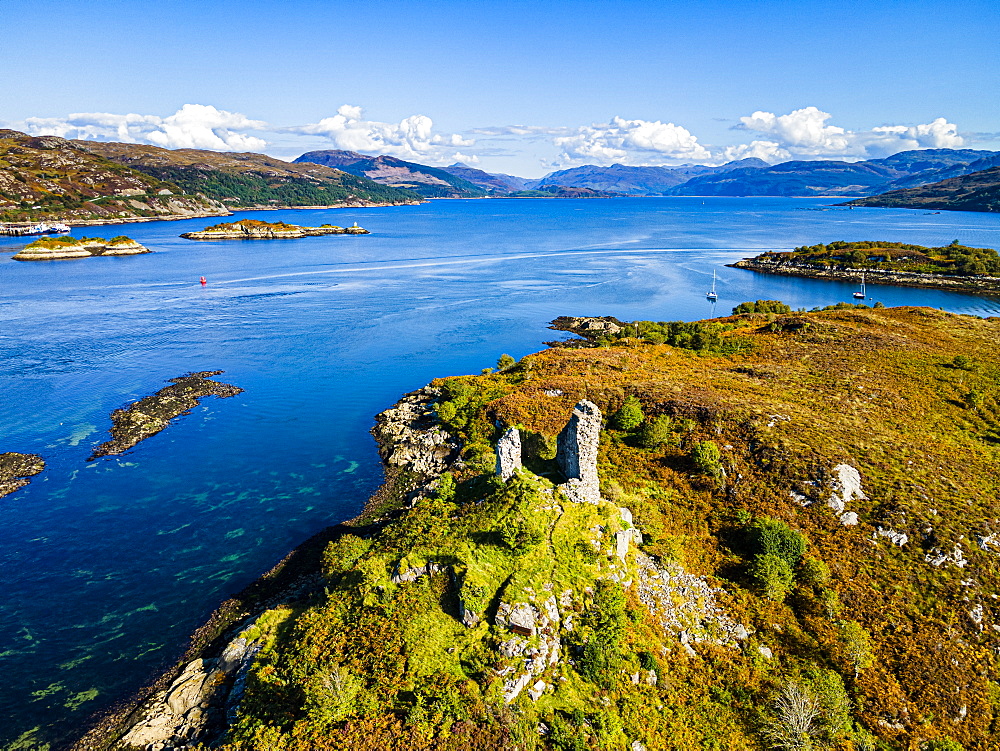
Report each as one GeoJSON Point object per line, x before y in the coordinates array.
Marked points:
{"type": "Point", "coordinates": [253, 229]}
{"type": "Point", "coordinates": [954, 266]}
{"type": "Point", "coordinates": [148, 416]}
{"type": "Point", "coordinates": [64, 248]}
{"type": "Point", "coordinates": [15, 469]}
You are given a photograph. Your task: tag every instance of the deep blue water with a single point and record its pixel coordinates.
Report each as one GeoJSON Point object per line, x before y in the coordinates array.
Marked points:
{"type": "Point", "coordinates": [108, 566]}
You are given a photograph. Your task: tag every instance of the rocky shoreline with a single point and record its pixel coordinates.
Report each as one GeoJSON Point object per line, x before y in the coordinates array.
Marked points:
{"type": "Point", "coordinates": [981, 284]}
{"type": "Point", "coordinates": [187, 704]}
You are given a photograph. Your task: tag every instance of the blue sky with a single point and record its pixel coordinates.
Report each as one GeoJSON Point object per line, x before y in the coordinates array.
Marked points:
{"type": "Point", "coordinates": [580, 81]}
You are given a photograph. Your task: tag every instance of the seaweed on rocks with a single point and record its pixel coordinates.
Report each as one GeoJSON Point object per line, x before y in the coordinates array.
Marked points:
{"type": "Point", "coordinates": [16, 468]}
{"type": "Point", "coordinates": [151, 414]}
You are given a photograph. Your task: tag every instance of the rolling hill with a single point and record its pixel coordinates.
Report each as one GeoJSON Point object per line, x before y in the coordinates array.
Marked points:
{"type": "Point", "coordinates": [249, 180]}
{"type": "Point", "coordinates": [50, 178]}
{"type": "Point", "coordinates": [429, 182]}
{"type": "Point", "coordinates": [978, 191]}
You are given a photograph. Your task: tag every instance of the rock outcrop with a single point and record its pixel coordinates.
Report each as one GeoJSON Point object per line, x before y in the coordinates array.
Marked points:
{"type": "Point", "coordinates": [251, 229]}
{"type": "Point", "coordinates": [64, 248]}
{"type": "Point", "coordinates": [534, 645]}
{"type": "Point", "coordinates": [577, 453]}
{"type": "Point", "coordinates": [587, 326]}
{"type": "Point", "coordinates": [410, 437]}
{"type": "Point", "coordinates": [845, 486]}
{"type": "Point", "coordinates": [150, 415]}
{"type": "Point", "coordinates": [15, 469]}
{"type": "Point", "coordinates": [178, 717]}
{"type": "Point", "coordinates": [508, 454]}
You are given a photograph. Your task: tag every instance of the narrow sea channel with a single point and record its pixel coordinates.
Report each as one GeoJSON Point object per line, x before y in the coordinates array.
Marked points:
{"type": "Point", "coordinates": [107, 566]}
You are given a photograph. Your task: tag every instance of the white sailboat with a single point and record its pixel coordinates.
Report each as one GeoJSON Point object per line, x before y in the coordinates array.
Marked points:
{"type": "Point", "coordinates": [713, 295]}
{"type": "Point", "coordinates": [861, 295]}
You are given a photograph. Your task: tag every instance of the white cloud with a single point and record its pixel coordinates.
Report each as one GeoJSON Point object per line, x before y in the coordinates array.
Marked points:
{"type": "Point", "coordinates": [200, 126]}
{"type": "Point", "coordinates": [521, 130]}
{"type": "Point", "coordinates": [805, 134]}
{"type": "Point", "coordinates": [630, 142]}
{"type": "Point", "coordinates": [468, 159]}
{"type": "Point", "coordinates": [195, 126]}
{"type": "Point", "coordinates": [412, 137]}
{"type": "Point", "coordinates": [769, 151]}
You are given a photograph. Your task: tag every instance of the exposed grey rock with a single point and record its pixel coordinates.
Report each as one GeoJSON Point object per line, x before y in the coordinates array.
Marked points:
{"type": "Point", "coordinates": [415, 572]}
{"type": "Point", "coordinates": [178, 716]}
{"type": "Point", "coordinates": [976, 615]}
{"type": "Point", "coordinates": [896, 538]}
{"type": "Point", "coordinates": [410, 437]}
{"type": "Point", "coordinates": [537, 652]}
{"type": "Point", "coordinates": [765, 652]}
{"type": "Point", "coordinates": [508, 454]}
{"type": "Point", "coordinates": [469, 618]}
{"type": "Point", "coordinates": [989, 542]}
{"type": "Point", "coordinates": [937, 557]}
{"type": "Point", "coordinates": [536, 691]}
{"type": "Point", "coordinates": [845, 486]}
{"type": "Point", "coordinates": [521, 615]}
{"type": "Point", "coordinates": [577, 453]}
{"type": "Point", "coordinates": [684, 604]}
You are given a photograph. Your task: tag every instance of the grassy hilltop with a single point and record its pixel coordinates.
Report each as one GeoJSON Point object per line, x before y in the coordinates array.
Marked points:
{"type": "Point", "coordinates": [817, 500]}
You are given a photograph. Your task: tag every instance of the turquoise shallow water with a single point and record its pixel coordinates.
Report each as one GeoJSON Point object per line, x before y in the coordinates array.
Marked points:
{"type": "Point", "coordinates": [108, 566]}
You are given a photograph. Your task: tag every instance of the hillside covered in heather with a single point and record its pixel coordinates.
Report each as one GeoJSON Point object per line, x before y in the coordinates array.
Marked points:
{"type": "Point", "coordinates": [772, 530]}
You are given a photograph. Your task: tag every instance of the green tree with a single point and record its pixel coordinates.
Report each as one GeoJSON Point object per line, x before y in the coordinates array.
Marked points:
{"type": "Point", "coordinates": [707, 458]}
{"type": "Point", "coordinates": [656, 432]}
{"type": "Point", "coordinates": [773, 575]}
{"type": "Point", "coordinates": [604, 627]}
{"type": "Point", "coordinates": [813, 572]}
{"type": "Point", "coordinates": [505, 362]}
{"type": "Point", "coordinates": [445, 490]}
{"type": "Point", "coordinates": [630, 416]}
{"type": "Point", "coordinates": [962, 362]}
{"type": "Point", "coordinates": [773, 537]}
{"type": "Point", "coordinates": [856, 645]}
{"type": "Point", "coordinates": [762, 306]}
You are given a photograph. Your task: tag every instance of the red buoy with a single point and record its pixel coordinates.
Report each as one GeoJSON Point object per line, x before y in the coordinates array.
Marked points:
{"type": "Point", "coordinates": [204, 281]}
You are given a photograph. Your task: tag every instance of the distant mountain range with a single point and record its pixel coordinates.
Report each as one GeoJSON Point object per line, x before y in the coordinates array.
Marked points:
{"type": "Point", "coordinates": [638, 181]}
{"type": "Point", "coordinates": [750, 177]}
{"type": "Point", "coordinates": [429, 182]}
{"type": "Point", "coordinates": [832, 178]}
{"type": "Point", "coordinates": [976, 191]}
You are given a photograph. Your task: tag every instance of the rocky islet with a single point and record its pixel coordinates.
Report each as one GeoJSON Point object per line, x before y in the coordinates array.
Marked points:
{"type": "Point", "coordinates": [252, 229]}
{"type": "Point", "coordinates": [66, 248]}
{"type": "Point", "coordinates": [16, 469]}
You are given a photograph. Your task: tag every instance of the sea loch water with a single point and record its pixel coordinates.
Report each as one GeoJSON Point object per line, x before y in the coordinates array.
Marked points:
{"type": "Point", "coordinates": [107, 566]}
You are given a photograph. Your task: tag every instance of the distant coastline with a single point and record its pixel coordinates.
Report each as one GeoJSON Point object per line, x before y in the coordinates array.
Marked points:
{"type": "Point", "coordinates": [981, 284]}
